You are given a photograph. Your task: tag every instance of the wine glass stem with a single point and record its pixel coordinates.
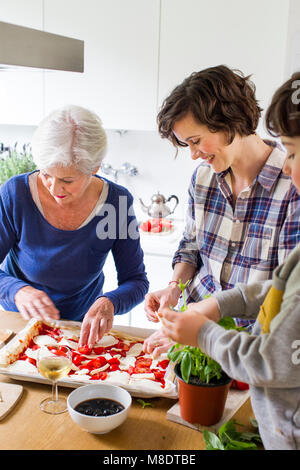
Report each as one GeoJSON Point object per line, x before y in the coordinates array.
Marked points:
{"type": "Point", "coordinates": [54, 391]}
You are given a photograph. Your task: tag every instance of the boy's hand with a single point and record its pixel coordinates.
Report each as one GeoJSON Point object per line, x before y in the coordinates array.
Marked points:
{"type": "Point", "coordinates": [182, 327]}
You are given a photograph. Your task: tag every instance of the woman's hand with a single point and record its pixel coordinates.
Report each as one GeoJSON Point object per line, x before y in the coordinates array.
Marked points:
{"type": "Point", "coordinates": [97, 321]}
{"type": "Point", "coordinates": [157, 344]}
{"type": "Point", "coordinates": [155, 301]}
{"type": "Point", "coordinates": [35, 303]}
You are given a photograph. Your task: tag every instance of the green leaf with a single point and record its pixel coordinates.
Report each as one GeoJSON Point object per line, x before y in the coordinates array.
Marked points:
{"type": "Point", "coordinates": [212, 442]}
{"type": "Point", "coordinates": [228, 431]}
{"type": "Point", "coordinates": [145, 403]}
{"type": "Point", "coordinates": [228, 323]}
{"type": "Point", "coordinates": [186, 366]}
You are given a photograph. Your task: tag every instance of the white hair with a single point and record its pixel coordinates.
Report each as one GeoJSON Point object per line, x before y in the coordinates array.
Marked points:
{"type": "Point", "coordinates": [71, 135]}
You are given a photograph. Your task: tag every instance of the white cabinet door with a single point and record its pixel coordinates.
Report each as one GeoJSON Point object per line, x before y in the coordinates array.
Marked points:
{"type": "Point", "coordinates": [21, 91]}
{"type": "Point", "coordinates": [250, 36]}
{"type": "Point", "coordinates": [120, 39]}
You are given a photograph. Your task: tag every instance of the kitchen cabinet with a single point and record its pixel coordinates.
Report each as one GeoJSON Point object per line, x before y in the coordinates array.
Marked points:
{"type": "Point", "coordinates": [250, 36]}
{"type": "Point", "coordinates": [119, 81]}
{"type": "Point", "coordinates": [21, 90]}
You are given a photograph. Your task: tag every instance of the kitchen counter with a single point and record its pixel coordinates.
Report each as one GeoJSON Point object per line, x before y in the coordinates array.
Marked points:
{"type": "Point", "coordinates": [28, 428]}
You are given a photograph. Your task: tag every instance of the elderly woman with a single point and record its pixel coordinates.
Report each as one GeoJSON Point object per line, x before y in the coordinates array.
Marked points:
{"type": "Point", "coordinates": [243, 215]}
{"type": "Point", "coordinates": [58, 224]}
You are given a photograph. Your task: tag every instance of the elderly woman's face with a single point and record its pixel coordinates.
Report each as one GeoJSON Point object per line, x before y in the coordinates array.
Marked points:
{"type": "Point", "coordinates": [209, 146]}
{"type": "Point", "coordinates": [66, 185]}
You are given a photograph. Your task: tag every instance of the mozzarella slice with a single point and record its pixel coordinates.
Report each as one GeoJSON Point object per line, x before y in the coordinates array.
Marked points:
{"type": "Point", "coordinates": [44, 340]}
{"type": "Point", "coordinates": [95, 371]}
{"type": "Point", "coordinates": [126, 362]}
{"type": "Point", "coordinates": [82, 372]}
{"type": "Point", "coordinates": [106, 340]}
{"type": "Point", "coordinates": [117, 377]}
{"type": "Point", "coordinates": [135, 350]}
{"type": "Point", "coordinates": [70, 334]}
{"type": "Point", "coordinates": [149, 376]}
{"type": "Point", "coordinates": [24, 367]}
{"type": "Point", "coordinates": [67, 342]}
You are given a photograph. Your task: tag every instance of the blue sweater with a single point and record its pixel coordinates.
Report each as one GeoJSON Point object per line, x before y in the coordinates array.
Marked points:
{"type": "Point", "coordinates": [68, 264]}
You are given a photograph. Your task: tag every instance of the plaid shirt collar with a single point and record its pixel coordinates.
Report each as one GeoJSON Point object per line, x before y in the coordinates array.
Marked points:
{"type": "Point", "coordinates": [274, 161]}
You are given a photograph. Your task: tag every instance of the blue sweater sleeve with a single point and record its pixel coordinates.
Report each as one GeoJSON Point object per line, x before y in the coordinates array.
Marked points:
{"type": "Point", "coordinates": [128, 257]}
{"type": "Point", "coordinates": [9, 285]}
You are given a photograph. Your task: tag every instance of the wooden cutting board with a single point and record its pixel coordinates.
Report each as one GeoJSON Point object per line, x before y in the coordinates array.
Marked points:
{"type": "Point", "coordinates": [5, 336]}
{"type": "Point", "coordinates": [235, 399]}
{"type": "Point", "coordinates": [11, 394]}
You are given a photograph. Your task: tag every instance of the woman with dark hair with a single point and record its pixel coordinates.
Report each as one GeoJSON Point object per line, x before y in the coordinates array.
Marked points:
{"type": "Point", "coordinates": [243, 214]}
{"type": "Point", "coordinates": [268, 359]}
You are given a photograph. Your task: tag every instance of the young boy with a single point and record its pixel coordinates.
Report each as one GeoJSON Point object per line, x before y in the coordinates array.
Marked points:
{"type": "Point", "coordinates": [268, 359]}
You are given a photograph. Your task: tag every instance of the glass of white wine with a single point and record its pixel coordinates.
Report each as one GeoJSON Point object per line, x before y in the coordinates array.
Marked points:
{"type": "Point", "coordinates": [54, 363]}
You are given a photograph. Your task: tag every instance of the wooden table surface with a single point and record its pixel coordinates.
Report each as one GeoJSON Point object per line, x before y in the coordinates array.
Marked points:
{"type": "Point", "coordinates": [28, 428]}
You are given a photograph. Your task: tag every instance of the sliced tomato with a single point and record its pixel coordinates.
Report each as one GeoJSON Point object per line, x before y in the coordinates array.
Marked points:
{"type": "Point", "coordinates": [113, 360]}
{"type": "Point", "coordinates": [77, 358]}
{"type": "Point", "coordinates": [130, 370]}
{"type": "Point", "coordinates": [143, 361]}
{"type": "Point", "coordinates": [146, 226]}
{"type": "Point", "coordinates": [163, 364]}
{"type": "Point", "coordinates": [114, 367]}
{"type": "Point", "coordinates": [96, 363]}
{"type": "Point", "coordinates": [99, 350]}
{"type": "Point", "coordinates": [85, 349]}
{"type": "Point", "coordinates": [99, 376]}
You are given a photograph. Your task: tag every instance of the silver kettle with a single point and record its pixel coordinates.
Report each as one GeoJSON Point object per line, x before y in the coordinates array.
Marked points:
{"type": "Point", "coordinates": [158, 207]}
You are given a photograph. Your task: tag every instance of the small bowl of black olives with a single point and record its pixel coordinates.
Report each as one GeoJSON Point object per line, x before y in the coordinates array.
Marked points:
{"type": "Point", "coordinates": [99, 408]}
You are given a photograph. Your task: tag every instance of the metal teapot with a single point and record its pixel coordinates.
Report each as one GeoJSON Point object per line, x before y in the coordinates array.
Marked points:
{"type": "Point", "coordinates": [158, 208]}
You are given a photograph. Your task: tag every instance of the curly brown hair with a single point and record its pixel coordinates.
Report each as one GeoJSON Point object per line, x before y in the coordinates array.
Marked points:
{"type": "Point", "coordinates": [283, 114]}
{"type": "Point", "coordinates": [218, 97]}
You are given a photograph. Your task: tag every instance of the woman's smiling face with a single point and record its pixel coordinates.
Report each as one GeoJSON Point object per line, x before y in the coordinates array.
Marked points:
{"type": "Point", "coordinates": [210, 146]}
{"type": "Point", "coordinates": [292, 163]}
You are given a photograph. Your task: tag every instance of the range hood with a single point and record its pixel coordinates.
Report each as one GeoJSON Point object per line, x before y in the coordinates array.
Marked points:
{"type": "Point", "coordinates": [27, 47]}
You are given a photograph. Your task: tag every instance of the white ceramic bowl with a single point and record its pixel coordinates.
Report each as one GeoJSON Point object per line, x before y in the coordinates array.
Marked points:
{"type": "Point", "coordinates": [98, 424]}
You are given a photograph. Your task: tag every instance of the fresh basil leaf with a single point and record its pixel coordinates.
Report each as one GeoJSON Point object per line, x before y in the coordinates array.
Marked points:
{"type": "Point", "coordinates": [186, 366]}
{"type": "Point", "coordinates": [240, 445]}
{"type": "Point", "coordinates": [212, 442]}
{"type": "Point", "coordinates": [228, 323]}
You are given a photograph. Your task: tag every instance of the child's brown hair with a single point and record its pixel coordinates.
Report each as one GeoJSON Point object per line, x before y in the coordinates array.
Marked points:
{"type": "Point", "coordinates": [283, 114]}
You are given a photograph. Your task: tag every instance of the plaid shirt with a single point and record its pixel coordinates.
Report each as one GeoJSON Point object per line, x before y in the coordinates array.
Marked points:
{"type": "Point", "coordinates": [241, 244]}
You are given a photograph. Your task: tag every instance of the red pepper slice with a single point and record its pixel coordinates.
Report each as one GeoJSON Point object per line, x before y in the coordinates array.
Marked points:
{"type": "Point", "coordinates": [236, 384]}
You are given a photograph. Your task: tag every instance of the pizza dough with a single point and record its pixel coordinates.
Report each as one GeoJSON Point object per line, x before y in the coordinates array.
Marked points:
{"type": "Point", "coordinates": [117, 359]}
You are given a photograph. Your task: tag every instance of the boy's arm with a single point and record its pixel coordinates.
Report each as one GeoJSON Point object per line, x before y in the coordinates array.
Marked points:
{"type": "Point", "coordinates": [243, 301]}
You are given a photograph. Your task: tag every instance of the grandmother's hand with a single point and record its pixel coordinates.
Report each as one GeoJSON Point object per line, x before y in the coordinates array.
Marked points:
{"type": "Point", "coordinates": [35, 303]}
{"type": "Point", "coordinates": [97, 321]}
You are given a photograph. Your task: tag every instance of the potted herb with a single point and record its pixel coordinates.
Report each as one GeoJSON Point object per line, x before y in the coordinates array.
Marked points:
{"type": "Point", "coordinates": [14, 162]}
{"type": "Point", "coordinates": [203, 385]}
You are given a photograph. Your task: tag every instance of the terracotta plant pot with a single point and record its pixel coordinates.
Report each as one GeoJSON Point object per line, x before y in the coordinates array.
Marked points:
{"type": "Point", "coordinates": [202, 404]}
